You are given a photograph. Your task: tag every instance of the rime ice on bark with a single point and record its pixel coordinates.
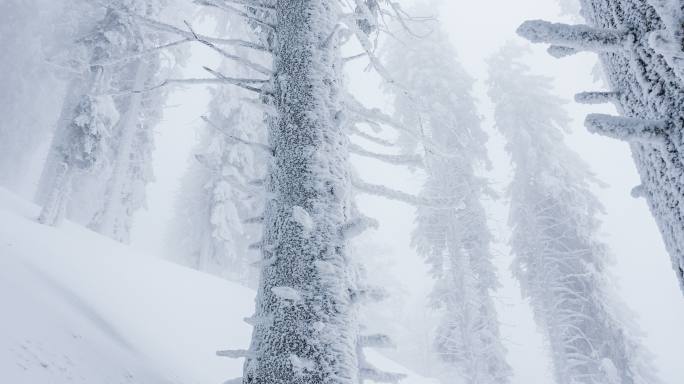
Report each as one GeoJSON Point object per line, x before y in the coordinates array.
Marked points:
{"type": "Point", "coordinates": [559, 260]}
{"type": "Point", "coordinates": [308, 170]}
{"type": "Point", "coordinates": [454, 240]}
{"type": "Point", "coordinates": [648, 74]}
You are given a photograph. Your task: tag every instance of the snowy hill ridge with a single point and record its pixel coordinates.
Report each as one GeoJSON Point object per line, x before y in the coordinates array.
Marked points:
{"type": "Point", "coordinates": [80, 308]}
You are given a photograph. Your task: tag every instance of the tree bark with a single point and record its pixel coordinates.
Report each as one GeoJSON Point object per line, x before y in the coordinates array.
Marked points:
{"type": "Point", "coordinates": [309, 335]}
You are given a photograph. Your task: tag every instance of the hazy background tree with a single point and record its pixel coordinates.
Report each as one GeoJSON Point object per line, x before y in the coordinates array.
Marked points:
{"type": "Point", "coordinates": [640, 47]}
{"type": "Point", "coordinates": [98, 163]}
{"type": "Point", "coordinates": [559, 260]}
{"type": "Point", "coordinates": [455, 241]}
{"type": "Point", "coordinates": [220, 205]}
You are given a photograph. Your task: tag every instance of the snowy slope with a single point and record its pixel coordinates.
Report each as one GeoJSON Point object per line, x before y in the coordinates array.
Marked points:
{"type": "Point", "coordinates": [76, 307]}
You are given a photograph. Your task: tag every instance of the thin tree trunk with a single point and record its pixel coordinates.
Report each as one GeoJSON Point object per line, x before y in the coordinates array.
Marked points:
{"type": "Point", "coordinates": [54, 159]}
{"type": "Point", "coordinates": [110, 220]}
{"type": "Point", "coordinates": [54, 210]}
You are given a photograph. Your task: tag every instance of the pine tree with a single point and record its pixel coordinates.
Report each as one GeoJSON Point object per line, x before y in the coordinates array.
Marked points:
{"type": "Point", "coordinates": [99, 160]}
{"type": "Point", "coordinates": [639, 43]}
{"type": "Point", "coordinates": [453, 240]}
{"type": "Point", "coordinates": [220, 207]}
{"type": "Point", "coordinates": [559, 260]}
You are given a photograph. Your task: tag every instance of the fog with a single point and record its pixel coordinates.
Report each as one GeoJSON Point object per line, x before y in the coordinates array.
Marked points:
{"type": "Point", "coordinates": [477, 29]}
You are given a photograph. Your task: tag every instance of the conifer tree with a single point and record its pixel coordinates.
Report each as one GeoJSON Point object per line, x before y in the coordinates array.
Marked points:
{"type": "Point", "coordinates": [454, 241]}
{"type": "Point", "coordinates": [559, 259]}
{"type": "Point", "coordinates": [639, 43]}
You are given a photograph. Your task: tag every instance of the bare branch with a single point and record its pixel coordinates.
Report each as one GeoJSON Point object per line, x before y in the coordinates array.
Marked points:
{"type": "Point", "coordinates": [172, 29]}
{"type": "Point", "coordinates": [252, 4]}
{"type": "Point", "coordinates": [392, 194]}
{"type": "Point", "coordinates": [373, 139]}
{"type": "Point", "coordinates": [142, 53]}
{"type": "Point", "coordinates": [240, 60]}
{"type": "Point", "coordinates": [228, 8]}
{"type": "Point", "coordinates": [259, 146]}
{"type": "Point", "coordinates": [410, 160]}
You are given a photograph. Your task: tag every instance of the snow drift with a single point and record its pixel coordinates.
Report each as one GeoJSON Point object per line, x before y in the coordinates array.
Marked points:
{"type": "Point", "coordinates": [80, 308]}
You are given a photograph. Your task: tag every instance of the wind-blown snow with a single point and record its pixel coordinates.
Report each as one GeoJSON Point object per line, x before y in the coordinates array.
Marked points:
{"type": "Point", "coordinates": [80, 308]}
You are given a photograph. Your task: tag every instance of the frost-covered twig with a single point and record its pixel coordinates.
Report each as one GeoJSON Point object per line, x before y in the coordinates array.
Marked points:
{"type": "Point", "coordinates": [559, 51]}
{"type": "Point", "coordinates": [259, 146]}
{"type": "Point", "coordinates": [225, 7]}
{"type": "Point", "coordinates": [159, 26]}
{"type": "Point", "coordinates": [235, 353]}
{"type": "Point", "coordinates": [142, 53]}
{"type": "Point", "coordinates": [410, 160]}
{"type": "Point", "coordinates": [371, 373]}
{"type": "Point", "coordinates": [238, 59]}
{"type": "Point", "coordinates": [597, 97]}
{"type": "Point", "coordinates": [376, 341]}
{"type": "Point", "coordinates": [373, 139]}
{"type": "Point", "coordinates": [261, 5]}
{"type": "Point", "coordinates": [254, 220]}
{"type": "Point", "coordinates": [357, 226]}
{"type": "Point", "coordinates": [393, 194]}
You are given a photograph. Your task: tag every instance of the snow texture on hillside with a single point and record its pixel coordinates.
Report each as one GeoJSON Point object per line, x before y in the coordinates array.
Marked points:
{"type": "Point", "coordinates": [80, 308]}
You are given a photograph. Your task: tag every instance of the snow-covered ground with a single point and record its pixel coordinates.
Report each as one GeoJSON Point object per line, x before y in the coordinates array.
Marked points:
{"type": "Point", "coordinates": [76, 307]}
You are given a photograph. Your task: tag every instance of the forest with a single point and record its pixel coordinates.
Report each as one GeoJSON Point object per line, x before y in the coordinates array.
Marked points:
{"type": "Point", "coordinates": [341, 191]}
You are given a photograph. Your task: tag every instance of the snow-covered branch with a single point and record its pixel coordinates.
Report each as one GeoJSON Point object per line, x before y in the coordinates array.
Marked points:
{"type": "Point", "coordinates": [393, 194]}
{"type": "Point", "coordinates": [225, 7]}
{"type": "Point", "coordinates": [376, 341]}
{"type": "Point", "coordinates": [410, 160]}
{"type": "Point", "coordinates": [627, 128]}
{"type": "Point", "coordinates": [559, 51]}
{"type": "Point", "coordinates": [357, 226]}
{"type": "Point", "coordinates": [262, 147]}
{"type": "Point", "coordinates": [371, 373]}
{"type": "Point", "coordinates": [579, 37]}
{"type": "Point", "coordinates": [373, 139]}
{"type": "Point", "coordinates": [163, 27]}
{"type": "Point", "coordinates": [238, 59]}
{"type": "Point", "coordinates": [597, 97]}
{"type": "Point", "coordinates": [235, 353]}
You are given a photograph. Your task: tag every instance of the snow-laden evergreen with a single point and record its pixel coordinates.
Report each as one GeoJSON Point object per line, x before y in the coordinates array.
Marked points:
{"type": "Point", "coordinates": [98, 164]}
{"type": "Point", "coordinates": [455, 241]}
{"type": "Point", "coordinates": [219, 210]}
{"type": "Point", "coordinates": [559, 259]}
{"type": "Point", "coordinates": [641, 51]}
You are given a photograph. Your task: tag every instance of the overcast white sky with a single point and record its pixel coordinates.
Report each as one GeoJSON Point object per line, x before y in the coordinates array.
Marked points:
{"type": "Point", "coordinates": [478, 28]}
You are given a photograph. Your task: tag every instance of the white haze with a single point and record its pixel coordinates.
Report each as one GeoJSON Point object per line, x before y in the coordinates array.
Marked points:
{"type": "Point", "coordinates": [477, 29]}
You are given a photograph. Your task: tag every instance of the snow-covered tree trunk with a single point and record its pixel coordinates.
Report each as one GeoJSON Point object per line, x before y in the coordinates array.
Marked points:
{"type": "Point", "coordinates": [644, 66]}
{"type": "Point", "coordinates": [92, 120]}
{"type": "Point", "coordinates": [113, 220]}
{"type": "Point", "coordinates": [55, 204]}
{"type": "Point", "coordinates": [559, 260]}
{"type": "Point", "coordinates": [453, 240]}
{"type": "Point", "coordinates": [101, 134]}
{"type": "Point", "coordinates": [305, 329]}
